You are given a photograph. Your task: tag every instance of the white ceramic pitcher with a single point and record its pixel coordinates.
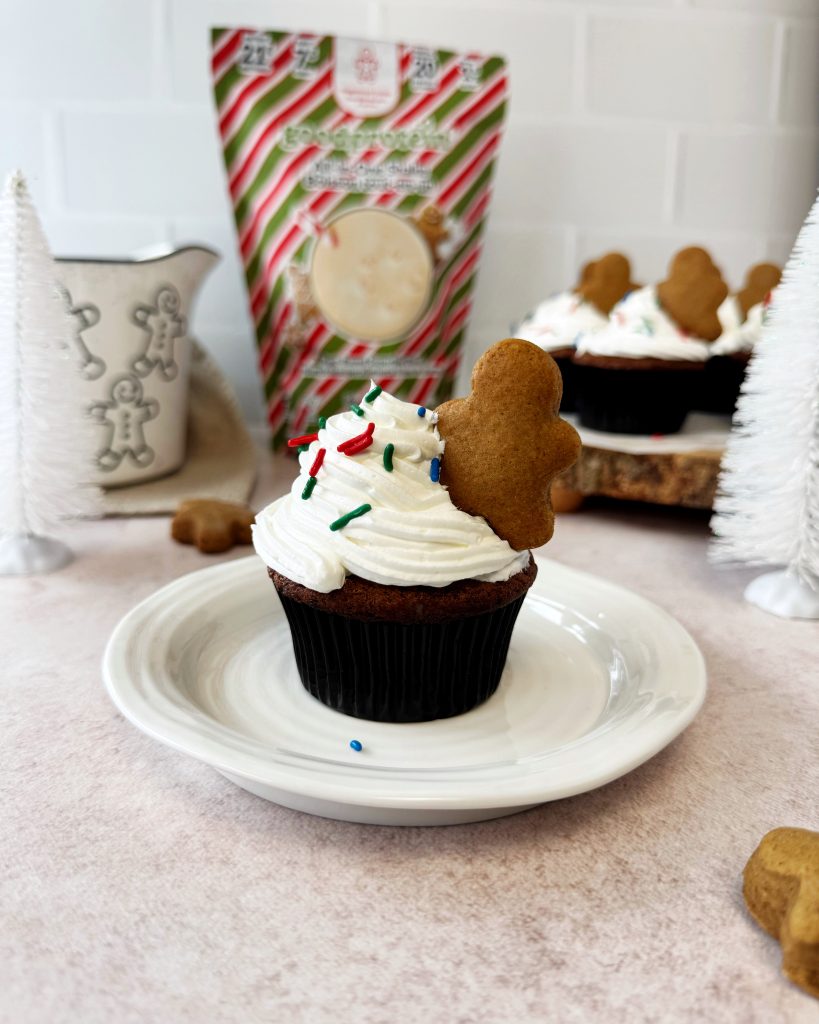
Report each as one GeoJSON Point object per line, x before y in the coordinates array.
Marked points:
{"type": "Point", "coordinates": [132, 354]}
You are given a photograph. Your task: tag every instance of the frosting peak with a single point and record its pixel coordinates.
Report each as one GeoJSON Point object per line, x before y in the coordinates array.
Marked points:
{"type": "Point", "coordinates": [411, 533]}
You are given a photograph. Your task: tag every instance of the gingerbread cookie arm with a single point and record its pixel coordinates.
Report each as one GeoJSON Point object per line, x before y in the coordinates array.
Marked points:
{"type": "Point", "coordinates": [505, 443]}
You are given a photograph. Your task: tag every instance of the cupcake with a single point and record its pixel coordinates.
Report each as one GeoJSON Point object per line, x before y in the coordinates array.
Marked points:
{"type": "Point", "coordinates": [557, 322]}
{"type": "Point", "coordinates": [401, 605]}
{"type": "Point", "coordinates": [742, 317]}
{"type": "Point", "coordinates": [637, 376]}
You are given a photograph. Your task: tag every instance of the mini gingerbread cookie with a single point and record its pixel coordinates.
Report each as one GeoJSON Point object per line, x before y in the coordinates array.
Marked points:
{"type": "Point", "coordinates": [760, 281]}
{"type": "Point", "coordinates": [303, 301]}
{"type": "Point", "coordinates": [693, 292]}
{"type": "Point", "coordinates": [212, 525]}
{"type": "Point", "coordinates": [782, 892]}
{"type": "Point", "coordinates": [605, 281]}
{"type": "Point", "coordinates": [431, 222]}
{"type": "Point", "coordinates": [506, 442]}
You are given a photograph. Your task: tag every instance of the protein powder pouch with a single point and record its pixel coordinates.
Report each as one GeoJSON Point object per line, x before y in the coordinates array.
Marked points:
{"type": "Point", "coordinates": [360, 178]}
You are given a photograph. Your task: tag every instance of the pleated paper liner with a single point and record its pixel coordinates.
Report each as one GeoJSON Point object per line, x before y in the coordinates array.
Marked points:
{"type": "Point", "coordinates": [395, 672]}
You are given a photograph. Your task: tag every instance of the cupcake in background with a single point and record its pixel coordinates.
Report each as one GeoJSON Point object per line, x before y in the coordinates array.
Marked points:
{"type": "Point", "coordinates": [742, 317]}
{"type": "Point", "coordinates": [638, 375]}
{"type": "Point", "coordinates": [558, 321]}
{"type": "Point", "coordinates": [401, 603]}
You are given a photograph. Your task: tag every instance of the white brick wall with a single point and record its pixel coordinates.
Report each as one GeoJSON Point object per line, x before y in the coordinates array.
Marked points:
{"type": "Point", "coordinates": [638, 124]}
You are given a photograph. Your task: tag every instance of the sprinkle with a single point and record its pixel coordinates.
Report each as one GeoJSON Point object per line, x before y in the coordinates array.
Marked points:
{"type": "Point", "coordinates": [362, 510]}
{"type": "Point", "coordinates": [362, 446]}
{"type": "Point", "coordinates": [435, 470]}
{"type": "Point", "coordinates": [318, 461]}
{"type": "Point", "coordinates": [353, 442]}
{"type": "Point", "coordinates": [302, 448]}
{"type": "Point", "coordinates": [357, 410]}
{"type": "Point", "coordinates": [388, 450]}
{"type": "Point", "coordinates": [372, 395]}
{"type": "Point", "coordinates": [356, 744]}
{"type": "Point", "coordinates": [294, 442]}
{"type": "Point", "coordinates": [422, 411]}
{"type": "Point", "coordinates": [322, 422]}
{"type": "Point", "coordinates": [308, 488]}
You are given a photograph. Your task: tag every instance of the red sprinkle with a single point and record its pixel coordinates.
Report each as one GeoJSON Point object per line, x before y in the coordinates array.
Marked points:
{"type": "Point", "coordinates": [352, 442]}
{"type": "Point", "coordinates": [294, 442]}
{"type": "Point", "coordinates": [318, 461]}
{"type": "Point", "coordinates": [357, 449]}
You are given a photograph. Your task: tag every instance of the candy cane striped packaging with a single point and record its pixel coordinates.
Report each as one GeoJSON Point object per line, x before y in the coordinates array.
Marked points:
{"type": "Point", "coordinates": [360, 177]}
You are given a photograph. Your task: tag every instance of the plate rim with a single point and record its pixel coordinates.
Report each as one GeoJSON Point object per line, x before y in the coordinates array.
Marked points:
{"type": "Point", "coordinates": [520, 791]}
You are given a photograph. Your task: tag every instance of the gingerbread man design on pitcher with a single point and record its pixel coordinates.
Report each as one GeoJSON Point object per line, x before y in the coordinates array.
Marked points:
{"type": "Point", "coordinates": [163, 324]}
{"type": "Point", "coordinates": [125, 416]}
{"type": "Point", "coordinates": [83, 317]}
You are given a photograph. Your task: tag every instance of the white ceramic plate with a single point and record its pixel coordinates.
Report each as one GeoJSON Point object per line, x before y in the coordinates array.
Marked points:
{"type": "Point", "coordinates": [597, 681]}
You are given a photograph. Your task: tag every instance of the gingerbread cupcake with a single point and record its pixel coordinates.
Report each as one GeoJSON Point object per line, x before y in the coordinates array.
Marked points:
{"type": "Point", "coordinates": [638, 375]}
{"type": "Point", "coordinates": [559, 320]}
{"type": "Point", "coordinates": [400, 555]}
{"type": "Point", "coordinates": [742, 317]}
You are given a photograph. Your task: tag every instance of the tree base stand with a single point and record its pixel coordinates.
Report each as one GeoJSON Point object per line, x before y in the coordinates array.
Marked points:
{"type": "Point", "coordinates": [27, 555]}
{"type": "Point", "coordinates": [784, 594]}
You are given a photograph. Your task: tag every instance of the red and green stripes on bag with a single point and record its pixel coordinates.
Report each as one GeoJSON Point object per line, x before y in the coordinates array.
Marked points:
{"type": "Point", "coordinates": [274, 210]}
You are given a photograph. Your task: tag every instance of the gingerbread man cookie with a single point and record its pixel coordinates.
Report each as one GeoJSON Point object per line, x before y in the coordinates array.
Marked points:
{"type": "Point", "coordinates": [605, 281]}
{"type": "Point", "coordinates": [781, 888]}
{"type": "Point", "coordinates": [760, 281]}
{"type": "Point", "coordinates": [693, 292]}
{"type": "Point", "coordinates": [506, 442]}
{"type": "Point", "coordinates": [431, 222]}
{"type": "Point", "coordinates": [213, 526]}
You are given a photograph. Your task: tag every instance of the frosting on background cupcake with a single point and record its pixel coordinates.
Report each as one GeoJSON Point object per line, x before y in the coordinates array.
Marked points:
{"type": "Point", "coordinates": [411, 534]}
{"type": "Point", "coordinates": [558, 321]}
{"type": "Point", "coordinates": [640, 329]}
{"type": "Point", "coordinates": [739, 335]}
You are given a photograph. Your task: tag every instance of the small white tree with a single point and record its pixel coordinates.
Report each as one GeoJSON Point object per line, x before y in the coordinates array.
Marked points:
{"type": "Point", "coordinates": [45, 438]}
{"type": "Point", "coordinates": [767, 509]}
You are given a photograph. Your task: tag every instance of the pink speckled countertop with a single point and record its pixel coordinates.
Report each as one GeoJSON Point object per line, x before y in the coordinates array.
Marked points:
{"type": "Point", "coordinates": [140, 886]}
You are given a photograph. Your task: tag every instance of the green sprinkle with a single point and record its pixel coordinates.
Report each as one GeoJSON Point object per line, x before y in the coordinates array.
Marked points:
{"type": "Point", "coordinates": [357, 410]}
{"type": "Point", "coordinates": [302, 448]}
{"type": "Point", "coordinates": [362, 510]}
{"type": "Point", "coordinates": [322, 422]}
{"type": "Point", "coordinates": [308, 488]}
{"type": "Point", "coordinates": [372, 395]}
{"type": "Point", "coordinates": [388, 450]}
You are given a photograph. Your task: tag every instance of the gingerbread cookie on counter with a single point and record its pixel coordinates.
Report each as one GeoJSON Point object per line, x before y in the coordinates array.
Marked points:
{"type": "Point", "coordinates": [211, 525]}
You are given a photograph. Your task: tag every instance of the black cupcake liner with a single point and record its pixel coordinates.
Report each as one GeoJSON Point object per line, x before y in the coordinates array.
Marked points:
{"type": "Point", "coordinates": [391, 672]}
{"type": "Point", "coordinates": [623, 401]}
{"type": "Point", "coordinates": [567, 368]}
{"type": "Point", "coordinates": [720, 384]}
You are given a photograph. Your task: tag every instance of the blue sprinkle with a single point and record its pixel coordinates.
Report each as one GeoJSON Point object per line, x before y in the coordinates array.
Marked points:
{"type": "Point", "coordinates": [435, 470]}
{"type": "Point", "coordinates": [422, 410]}
{"type": "Point", "coordinates": [355, 744]}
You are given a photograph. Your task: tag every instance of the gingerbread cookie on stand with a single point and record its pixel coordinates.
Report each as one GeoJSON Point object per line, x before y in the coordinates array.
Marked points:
{"type": "Point", "coordinates": [558, 322]}
{"type": "Point", "coordinates": [640, 374]}
{"type": "Point", "coordinates": [401, 554]}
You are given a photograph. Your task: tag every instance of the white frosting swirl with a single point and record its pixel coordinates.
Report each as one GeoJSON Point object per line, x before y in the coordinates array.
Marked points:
{"type": "Point", "coordinates": [413, 535]}
{"type": "Point", "coordinates": [558, 320]}
{"type": "Point", "coordinates": [739, 335]}
{"type": "Point", "coordinates": [639, 329]}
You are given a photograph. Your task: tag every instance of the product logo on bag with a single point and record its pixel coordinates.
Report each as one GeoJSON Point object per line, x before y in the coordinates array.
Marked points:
{"type": "Point", "coordinates": [256, 54]}
{"type": "Point", "coordinates": [366, 81]}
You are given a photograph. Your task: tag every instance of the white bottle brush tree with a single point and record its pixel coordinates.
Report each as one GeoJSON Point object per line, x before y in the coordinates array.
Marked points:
{"type": "Point", "coordinates": [45, 437]}
{"type": "Point", "coordinates": [767, 511]}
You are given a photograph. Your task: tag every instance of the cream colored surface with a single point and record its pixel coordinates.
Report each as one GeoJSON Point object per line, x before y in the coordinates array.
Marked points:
{"type": "Point", "coordinates": [371, 274]}
{"type": "Point", "coordinates": [139, 885]}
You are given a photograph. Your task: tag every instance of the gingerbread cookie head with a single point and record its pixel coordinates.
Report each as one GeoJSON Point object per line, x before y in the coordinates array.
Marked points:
{"type": "Point", "coordinates": [431, 222]}
{"type": "Point", "coordinates": [605, 281]}
{"type": "Point", "coordinates": [505, 443]}
{"type": "Point", "coordinates": [693, 292]}
{"type": "Point", "coordinates": [781, 889]}
{"type": "Point", "coordinates": [760, 281]}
